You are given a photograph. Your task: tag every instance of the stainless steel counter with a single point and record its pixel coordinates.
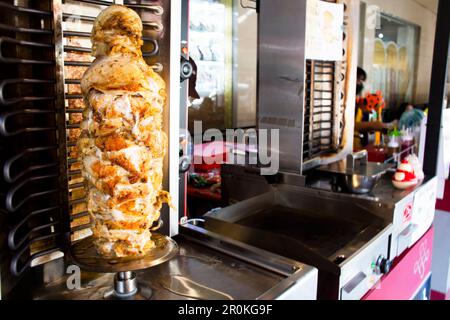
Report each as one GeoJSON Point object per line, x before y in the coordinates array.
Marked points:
{"type": "Point", "coordinates": [410, 211]}
{"type": "Point", "coordinates": [197, 272]}
{"type": "Point", "coordinates": [384, 192]}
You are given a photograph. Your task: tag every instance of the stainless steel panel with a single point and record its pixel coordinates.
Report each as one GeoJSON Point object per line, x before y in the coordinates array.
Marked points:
{"type": "Point", "coordinates": [299, 223]}
{"type": "Point", "coordinates": [281, 77]}
{"type": "Point", "coordinates": [304, 289]}
{"type": "Point", "coordinates": [362, 262]}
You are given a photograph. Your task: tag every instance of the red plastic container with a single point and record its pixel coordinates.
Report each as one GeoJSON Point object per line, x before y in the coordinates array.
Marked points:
{"type": "Point", "coordinates": [211, 155]}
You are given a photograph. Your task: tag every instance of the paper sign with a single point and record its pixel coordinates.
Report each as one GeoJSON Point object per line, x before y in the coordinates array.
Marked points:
{"type": "Point", "coordinates": [444, 153]}
{"type": "Point", "coordinates": [324, 30]}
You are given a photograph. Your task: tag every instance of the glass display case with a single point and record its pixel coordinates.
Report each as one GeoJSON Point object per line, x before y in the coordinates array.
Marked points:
{"type": "Point", "coordinates": [389, 55]}
{"type": "Point", "coordinates": [209, 43]}
{"type": "Point", "coordinates": [223, 47]}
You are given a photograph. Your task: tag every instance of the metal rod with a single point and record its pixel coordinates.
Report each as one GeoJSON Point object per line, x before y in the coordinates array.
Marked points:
{"type": "Point", "coordinates": [82, 227]}
{"type": "Point", "coordinates": [151, 24]}
{"type": "Point", "coordinates": [79, 215]}
{"type": "Point", "coordinates": [74, 173]}
{"type": "Point", "coordinates": [25, 10]}
{"type": "Point", "coordinates": [77, 201]}
{"type": "Point", "coordinates": [76, 186]}
{"type": "Point", "coordinates": [24, 30]}
{"type": "Point", "coordinates": [74, 110]}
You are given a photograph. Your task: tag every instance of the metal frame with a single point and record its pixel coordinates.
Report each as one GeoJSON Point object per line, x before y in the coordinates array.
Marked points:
{"type": "Point", "coordinates": [174, 114]}
{"type": "Point", "coordinates": [281, 78]}
{"type": "Point", "coordinates": [437, 88]}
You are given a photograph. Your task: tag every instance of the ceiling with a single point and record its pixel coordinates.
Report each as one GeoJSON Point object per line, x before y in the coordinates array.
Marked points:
{"type": "Point", "coordinates": [429, 4]}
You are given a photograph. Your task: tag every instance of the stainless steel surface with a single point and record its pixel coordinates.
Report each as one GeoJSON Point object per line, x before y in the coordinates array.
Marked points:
{"type": "Point", "coordinates": [355, 177]}
{"type": "Point", "coordinates": [126, 288]}
{"type": "Point", "coordinates": [125, 284]}
{"type": "Point", "coordinates": [410, 214]}
{"type": "Point", "coordinates": [384, 195]}
{"type": "Point", "coordinates": [196, 272]}
{"type": "Point", "coordinates": [281, 77]}
{"type": "Point", "coordinates": [357, 184]}
{"type": "Point", "coordinates": [338, 237]}
{"type": "Point", "coordinates": [369, 169]}
{"type": "Point", "coordinates": [85, 255]}
{"type": "Point", "coordinates": [324, 226]}
{"type": "Point", "coordinates": [364, 261]}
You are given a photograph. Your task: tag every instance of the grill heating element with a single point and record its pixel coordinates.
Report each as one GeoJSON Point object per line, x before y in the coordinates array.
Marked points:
{"type": "Point", "coordinates": [32, 203]}
{"type": "Point", "coordinates": [319, 109]}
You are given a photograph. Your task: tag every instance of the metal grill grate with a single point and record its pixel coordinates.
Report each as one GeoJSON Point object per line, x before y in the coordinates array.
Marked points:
{"type": "Point", "coordinates": [325, 108]}
{"type": "Point", "coordinates": [319, 109]}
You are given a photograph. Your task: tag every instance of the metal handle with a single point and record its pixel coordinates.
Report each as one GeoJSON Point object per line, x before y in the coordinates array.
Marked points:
{"type": "Point", "coordinates": [362, 155]}
{"type": "Point", "coordinates": [158, 27]}
{"type": "Point", "coordinates": [194, 222]}
{"type": "Point", "coordinates": [355, 282]}
{"type": "Point", "coordinates": [185, 164]}
{"type": "Point", "coordinates": [157, 67]}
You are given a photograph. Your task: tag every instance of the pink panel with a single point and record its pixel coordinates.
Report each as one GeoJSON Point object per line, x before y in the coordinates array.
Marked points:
{"type": "Point", "coordinates": [444, 205]}
{"type": "Point", "coordinates": [437, 295]}
{"type": "Point", "coordinates": [408, 273]}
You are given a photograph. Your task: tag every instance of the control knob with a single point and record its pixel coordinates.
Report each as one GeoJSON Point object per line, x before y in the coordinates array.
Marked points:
{"type": "Point", "coordinates": [382, 265]}
{"type": "Point", "coordinates": [186, 69]}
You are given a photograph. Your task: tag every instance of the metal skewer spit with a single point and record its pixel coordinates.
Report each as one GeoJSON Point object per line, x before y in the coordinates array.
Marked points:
{"type": "Point", "coordinates": [125, 286]}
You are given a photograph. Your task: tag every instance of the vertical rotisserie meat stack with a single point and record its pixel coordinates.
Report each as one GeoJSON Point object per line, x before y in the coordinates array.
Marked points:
{"type": "Point", "coordinates": [122, 145]}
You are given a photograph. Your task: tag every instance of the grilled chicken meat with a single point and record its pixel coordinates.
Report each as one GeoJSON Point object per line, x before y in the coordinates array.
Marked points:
{"type": "Point", "coordinates": [122, 145]}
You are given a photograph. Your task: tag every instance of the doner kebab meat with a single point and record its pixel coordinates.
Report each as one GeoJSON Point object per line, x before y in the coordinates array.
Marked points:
{"type": "Point", "coordinates": [122, 145]}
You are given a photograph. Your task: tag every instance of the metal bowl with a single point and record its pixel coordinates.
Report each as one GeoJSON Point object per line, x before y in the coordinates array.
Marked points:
{"type": "Point", "coordinates": [357, 184]}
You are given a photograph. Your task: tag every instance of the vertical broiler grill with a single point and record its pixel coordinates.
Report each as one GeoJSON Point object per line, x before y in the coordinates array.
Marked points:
{"type": "Point", "coordinates": [44, 51]}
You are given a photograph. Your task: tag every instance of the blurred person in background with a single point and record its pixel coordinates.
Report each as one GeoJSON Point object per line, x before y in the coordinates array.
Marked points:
{"type": "Point", "coordinates": [364, 114]}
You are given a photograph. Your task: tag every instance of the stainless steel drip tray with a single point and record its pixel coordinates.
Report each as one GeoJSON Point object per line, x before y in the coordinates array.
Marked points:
{"type": "Point", "coordinates": [198, 272]}
{"type": "Point", "coordinates": [298, 223]}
